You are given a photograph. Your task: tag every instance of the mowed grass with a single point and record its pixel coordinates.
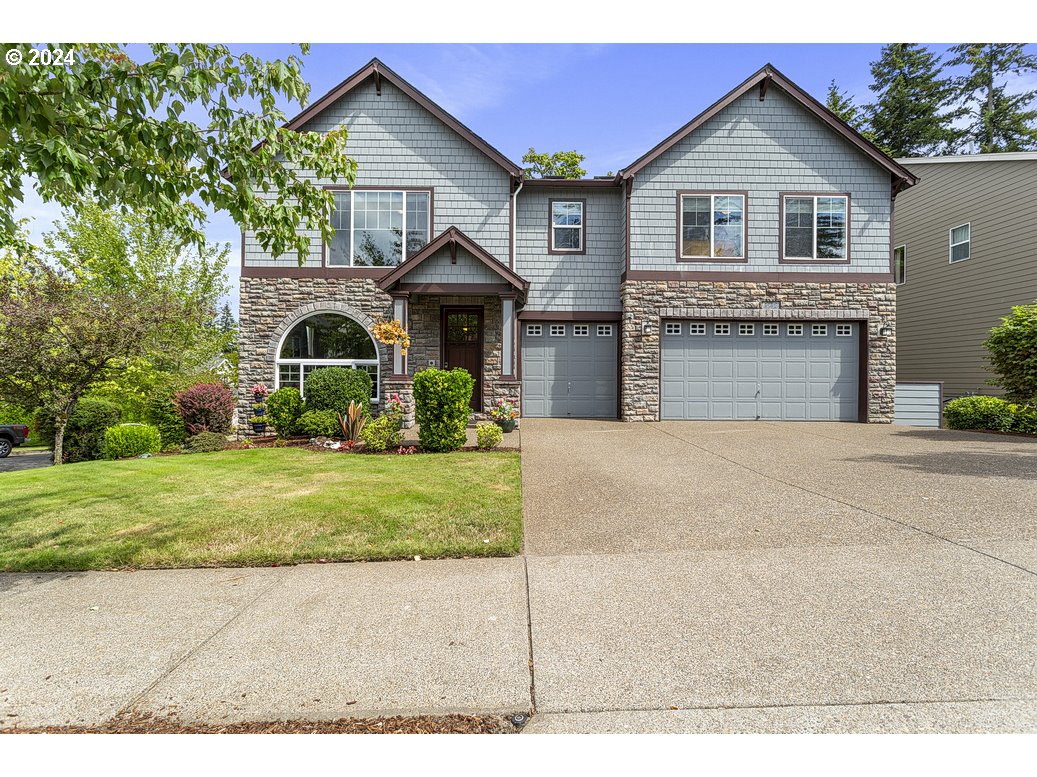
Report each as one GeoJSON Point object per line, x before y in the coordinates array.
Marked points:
{"type": "Point", "coordinates": [259, 507]}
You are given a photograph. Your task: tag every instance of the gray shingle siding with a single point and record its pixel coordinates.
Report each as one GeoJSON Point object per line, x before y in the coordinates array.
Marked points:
{"type": "Point", "coordinates": [571, 282]}
{"type": "Point", "coordinates": [765, 148]}
{"type": "Point", "coordinates": [438, 269]}
{"type": "Point", "coordinates": [396, 142]}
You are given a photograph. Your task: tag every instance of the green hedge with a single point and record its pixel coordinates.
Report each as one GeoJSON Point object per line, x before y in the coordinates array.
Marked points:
{"type": "Point", "coordinates": [84, 432]}
{"type": "Point", "coordinates": [128, 440]}
{"type": "Point", "coordinates": [442, 405]}
{"type": "Point", "coordinates": [333, 388]}
{"type": "Point", "coordinates": [319, 423]}
{"type": "Point", "coordinates": [205, 442]}
{"type": "Point", "coordinates": [488, 436]}
{"type": "Point", "coordinates": [382, 433]}
{"type": "Point", "coordinates": [161, 413]}
{"type": "Point", "coordinates": [283, 408]}
{"type": "Point", "coordinates": [993, 413]}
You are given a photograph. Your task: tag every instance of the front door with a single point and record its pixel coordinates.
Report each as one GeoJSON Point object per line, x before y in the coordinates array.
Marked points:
{"type": "Point", "coordinates": [462, 345]}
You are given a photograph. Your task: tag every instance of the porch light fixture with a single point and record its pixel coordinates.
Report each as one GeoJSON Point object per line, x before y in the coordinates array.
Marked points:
{"type": "Point", "coordinates": [885, 330]}
{"type": "Point", "coordinates": [646, 327]}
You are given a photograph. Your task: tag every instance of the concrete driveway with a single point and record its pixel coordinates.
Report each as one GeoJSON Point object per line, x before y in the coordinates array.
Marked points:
{"type": "Point", "coordinates": [765, 577]}
{"type": "Point", "coordinates": [19, 460]}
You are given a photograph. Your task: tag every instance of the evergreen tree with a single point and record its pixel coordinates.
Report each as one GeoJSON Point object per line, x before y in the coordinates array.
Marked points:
{"type": "Point", "coordinates": [226, 322]}
{"type": "Point", "coordinates": [1000, 121]}
{"type": "Point", "coordinates": [912, 115]}
{"type": "Point", "coordinates": [841, 104]}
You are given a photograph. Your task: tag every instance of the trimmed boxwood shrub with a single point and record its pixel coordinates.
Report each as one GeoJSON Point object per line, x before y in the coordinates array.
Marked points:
{"type": "Point", "coordinates": [488, 436]}
{"type": "Point", "coordinates": [382, 433]}
{"type": "Point", "coordinates": [206, 407]}
{"type": "Point", "coordinates": [205, 442]}
{"type": "Point", "coordinates": [1013, 353]}
{"type": "Point", "coordinates": [319, 423]}
{"type": "Point", "coordinates": [128, 440]}
{"type": "Point", "coordinates": [333, 388]}
{"type": "Point", "coordinates": [283, 408]}
{"type": "Point", "coordinates": [978, 412]}
{"type": "Point", "coordinates": [161, 413]}
{"type": "Point", "coordinates": [441, 407]}
{"type": "Point", "coordinates": [84, 432]}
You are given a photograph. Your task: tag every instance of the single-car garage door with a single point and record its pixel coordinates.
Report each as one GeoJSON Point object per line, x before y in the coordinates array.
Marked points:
{"type": "Point", "coordinates": [794, 371]}
{"type": "Point", "coordinates": [569, 369]}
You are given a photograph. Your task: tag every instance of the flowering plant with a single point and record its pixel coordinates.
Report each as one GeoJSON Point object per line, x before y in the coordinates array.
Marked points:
{"type": "Point", "coordinates": [392, 333]}
{"type": "Point", "coordinates": [504, 410]}
{"type": "Point", "coordinates": [260, 390]}
{"type": "Point", "coordinates": [395, 405]}
{"type": "Point", "coordinates": [406, 450]}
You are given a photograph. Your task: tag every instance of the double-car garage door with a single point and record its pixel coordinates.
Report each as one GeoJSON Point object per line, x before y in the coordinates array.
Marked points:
{"type": "Point", "coordinates": [569, 369]}
{"type": "Point", "coordinates": [795, 371]}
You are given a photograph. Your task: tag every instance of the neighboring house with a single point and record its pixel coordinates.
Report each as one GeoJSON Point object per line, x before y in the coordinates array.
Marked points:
{"type": "Point", "coordinates": [965, 243]}
{"type": "Point", "coordinates": [738, 270]}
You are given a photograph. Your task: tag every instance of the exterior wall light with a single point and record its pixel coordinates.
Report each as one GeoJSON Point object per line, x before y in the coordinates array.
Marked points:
{"type": "Point", "coordinates": [885, 330]}
{"type": "Point", "coordinates": [646, 327]}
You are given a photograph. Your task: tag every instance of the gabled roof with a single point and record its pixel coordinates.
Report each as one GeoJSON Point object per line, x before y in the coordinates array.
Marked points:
{"type": "Point", "coordinates": [381, 72]}
{"type": "Point", "coordinates": [452, 237]}
{"type": "Point", "coordinates": [764, 77]}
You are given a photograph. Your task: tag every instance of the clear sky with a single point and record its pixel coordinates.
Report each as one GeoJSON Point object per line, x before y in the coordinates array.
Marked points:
{"type": "Point", "coordinates": [609, 102]}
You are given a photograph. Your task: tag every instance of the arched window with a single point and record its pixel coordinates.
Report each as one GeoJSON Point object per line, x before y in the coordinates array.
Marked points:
{"type": "Point", "coordinates": [325, 340]}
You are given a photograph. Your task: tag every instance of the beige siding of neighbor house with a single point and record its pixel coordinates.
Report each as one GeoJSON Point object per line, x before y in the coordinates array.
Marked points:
{"type": "Point", "coordinates": [945, 311]}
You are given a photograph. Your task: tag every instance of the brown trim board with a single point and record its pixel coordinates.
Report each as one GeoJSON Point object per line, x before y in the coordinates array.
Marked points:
{"type": "Point", "coordinates": [312, 272]}
{"type": "Point", "coordinates": [727, 276]}
{"type": "Point", "coordinates": [570, 315]}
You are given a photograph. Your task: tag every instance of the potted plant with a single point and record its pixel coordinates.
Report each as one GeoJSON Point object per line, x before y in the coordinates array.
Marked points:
{"type": "Point", "coordinates": [391, 333]}
{"type": "Point", "coordinates": [259, 409]}
{"type": "Point", "coordinates": [505, 415]}
{"type": "Point", "coordinates": [259, 393]}
{"type": "Point", "coordinates": [259, 425]}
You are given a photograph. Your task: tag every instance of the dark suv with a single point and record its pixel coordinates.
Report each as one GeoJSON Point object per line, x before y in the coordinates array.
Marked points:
{"type": "Point", "coordinates": [10, 436]}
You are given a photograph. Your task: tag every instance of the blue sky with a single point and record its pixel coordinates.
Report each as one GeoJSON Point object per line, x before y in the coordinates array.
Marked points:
{"type": "Point", "coordinates": [609, 102]}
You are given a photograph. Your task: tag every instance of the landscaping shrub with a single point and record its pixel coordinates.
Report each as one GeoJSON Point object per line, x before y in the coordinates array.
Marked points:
{"type": "Point", "coordinates": [319, 423]}
{"type": "Point", "coordinates": [333, 388]}
{"type": "Point", "coordinates": [442, 400]}
{"type": "Point", "coordinates": [205, 442]}
{"type": "Point", "coordinates": [488, 436]}
{"type": "Point", "coordinates": [1013, 353]}
{"type": "Point", "coordinates": [84, 432]}
{"type": "Point", "coordinates": [1024, 419]}
{"type": "Point", "coordinates": [283, 408]}
{"type": "Point", "coordinates": [128, 440]}
{"type": "Point", "coordinates": [161, 413]}
{"type": "Point", "coordinates": [206, 407]}
{"type": "Point", "coordinates": [382, 433]}
{"type": "Point", "coordinates": [978, 412]}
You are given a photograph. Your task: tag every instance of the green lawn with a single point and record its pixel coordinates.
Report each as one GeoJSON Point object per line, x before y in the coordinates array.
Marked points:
{"type": "Point", "coordinates": [257, 507]}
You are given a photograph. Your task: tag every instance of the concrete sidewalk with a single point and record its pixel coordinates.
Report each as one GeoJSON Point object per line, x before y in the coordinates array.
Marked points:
{"type": "Point", "coordinates": [312, 641]}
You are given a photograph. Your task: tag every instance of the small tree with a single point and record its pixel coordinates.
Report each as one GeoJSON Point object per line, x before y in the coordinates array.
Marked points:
{"type": "Point", "coordinates": [1013, 354]}
{"type": "Point", "coordinates": [565, 164]}
{"type": "Point", "coordinates": [207, 407]}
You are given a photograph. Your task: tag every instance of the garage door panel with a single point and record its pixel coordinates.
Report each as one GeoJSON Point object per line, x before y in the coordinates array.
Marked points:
{"type": "Point", "coordinates": [571, 375]}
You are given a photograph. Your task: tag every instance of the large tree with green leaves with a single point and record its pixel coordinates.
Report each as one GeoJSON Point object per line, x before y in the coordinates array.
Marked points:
{"type": "Point", "coordinates": [562, 164]}
{"type": "Point", "coordinates": [120, 131]}
{"type": "Point", "coordinates": [913, 114]}
{"type": "Point", "coordinates": [1000, 120]}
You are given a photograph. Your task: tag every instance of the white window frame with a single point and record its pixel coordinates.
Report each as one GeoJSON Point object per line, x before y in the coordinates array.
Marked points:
{"type": "Point", "coordinates": [712, 226]}
{"type": "Point", "coordinates": [794, 330]}
{"type": "Point", "coordinates": [673, 327]}
{"type": "Point", "coordinates": [604, 330]}
{"type": "Point", "coordinates": [581, 330]}
{"type": "Point", "coordinates": [844, 330]}
{"type": "Point", "coordinates": [696, 329]}
{"type": "Point", "coordinates": [819, 330]}
{"type": "Point", "coordinates": [302, 364]}
{"type": "Point", "coordinates": [726, 329]}
{"type": "Point", "coordinates": [580, 226]}
{"type": "Point", "coordinates": [560, 333]}
{"type": "Point", "coordinates": [951, 244]}
{"type": "Point", "coordinates": [771, 330]}
{"type": "Point", "coordinates": [813, 250]}
{"type": "Point", "coordinates": [352, 222]}
{"type": "Point", "coordinates": [534, 330]}
{"type": "Point", "coordinates": [903, 278]}
{"type": "Point", "coordinates": [746, 329]}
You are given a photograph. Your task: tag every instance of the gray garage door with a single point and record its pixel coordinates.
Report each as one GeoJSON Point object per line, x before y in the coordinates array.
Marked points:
{"type": "Point", "coordinates": [795, 371]}
{"type": "Point", "coordinates": [569, 369]}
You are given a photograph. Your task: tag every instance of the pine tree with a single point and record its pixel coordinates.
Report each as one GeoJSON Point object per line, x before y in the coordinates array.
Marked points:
{"type": "Point", "coordinates": [1000, 121]}
{"type": "Point", "coordinates": [912, 115]}
{"type": "Point", "coordinates": [225, 322]}
{"type": "Point", "coordinates": [841, 104]}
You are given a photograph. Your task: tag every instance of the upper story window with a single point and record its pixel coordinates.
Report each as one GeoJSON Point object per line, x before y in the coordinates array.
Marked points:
{"type": "Point", "coordinates": [900, 264]}
{"type": "Point", "coordinates": [961, 243]}
{"type": "Point", "coordinates": [378, 228]}
{"type": "Point", "coordinates": [712, 226]}
{"type": "Point", "coordinates": [567, 226]}
{"type": "Point", "coordinates": [815, 227]}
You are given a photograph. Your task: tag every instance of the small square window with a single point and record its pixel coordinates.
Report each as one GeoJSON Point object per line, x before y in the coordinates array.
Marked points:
{"type": "Point", "coordinates": [673, 328]}
{"type": "Point", "coordinates": [696, 329]}
{"type": "Point", "coordinates": [721, 329]}
{"type": "Point", "coordinates": [819, 330]}
{"type": "Point", "coordinates": [581, 330]}
{"type": "Point", "coordinates": [769, 330]}
{"type": "Point", "coordinates": [747, 329]}
{"type": "Point", "coordinates": [557, 330]}
{"type": "Point", "coordinates": [534, 330]}
{"type": "Point", "coordinates": [604, 330]}
{"type": "Point", "coordinates": [795, 330]}
{"type": "Point", "coordinates": [843, 330]}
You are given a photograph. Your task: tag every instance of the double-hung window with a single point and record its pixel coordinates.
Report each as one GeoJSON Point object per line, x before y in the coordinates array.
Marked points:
{"type": "Point", "coordinates": [566, 227]}
{"type": "Point", "coordinates": [815, 227]}
{"type": "Point", "coordinates": [378, 228]}
{"type": "Point", "coordinates": [712, 226]}
{"type": "Point", "coordinates": [961, 243]}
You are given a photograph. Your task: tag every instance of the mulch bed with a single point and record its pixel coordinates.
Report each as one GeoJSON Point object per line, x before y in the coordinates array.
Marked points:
{"type": "Point", "coordinates": [422, 724]}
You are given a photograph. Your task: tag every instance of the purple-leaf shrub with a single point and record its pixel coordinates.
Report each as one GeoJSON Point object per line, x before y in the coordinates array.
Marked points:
{"type": "Point", "coordinates": [206, 407]}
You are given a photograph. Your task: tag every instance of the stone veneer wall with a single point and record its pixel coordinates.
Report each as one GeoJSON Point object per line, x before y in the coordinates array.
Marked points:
{"type": "Point", "coordinates": [652, 300]}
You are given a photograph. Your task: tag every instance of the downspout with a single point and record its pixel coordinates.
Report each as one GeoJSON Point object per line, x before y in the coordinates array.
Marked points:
{"type": "Point", "coordinates": [514, 218]}
{"type": "Point", "coordinates": [514, 328]}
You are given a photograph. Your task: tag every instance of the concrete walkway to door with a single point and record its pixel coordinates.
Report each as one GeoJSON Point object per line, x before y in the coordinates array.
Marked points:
{"type": "Point", "coordinates": [780, 577]}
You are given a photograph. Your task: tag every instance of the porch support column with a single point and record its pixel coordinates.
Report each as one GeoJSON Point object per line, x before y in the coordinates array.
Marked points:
{"type": "Point", "coordinates": [508, 335]}
{"type": "Point", "coordinates": [399, 312]}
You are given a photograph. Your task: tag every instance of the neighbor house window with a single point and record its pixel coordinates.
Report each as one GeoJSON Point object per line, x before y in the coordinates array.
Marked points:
{"type": "Point", "coordinates": [961, 243]}
{"type": "Point", "coordinates": [712, 226]}
{"type": "Point", "coordinates": [325, 340]}
{"type": "Point", "coordinates": [566, 235]}
{"type": "Point", "coordinates": [378, 228]}
{"type": "Point", "coordinates": [900, 264]}
{"type": "Point", "coordinates": [815, 227]}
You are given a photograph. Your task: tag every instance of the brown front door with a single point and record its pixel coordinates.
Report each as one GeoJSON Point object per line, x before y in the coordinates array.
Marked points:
{"type": "Point", "coordinates": [462, 345]}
